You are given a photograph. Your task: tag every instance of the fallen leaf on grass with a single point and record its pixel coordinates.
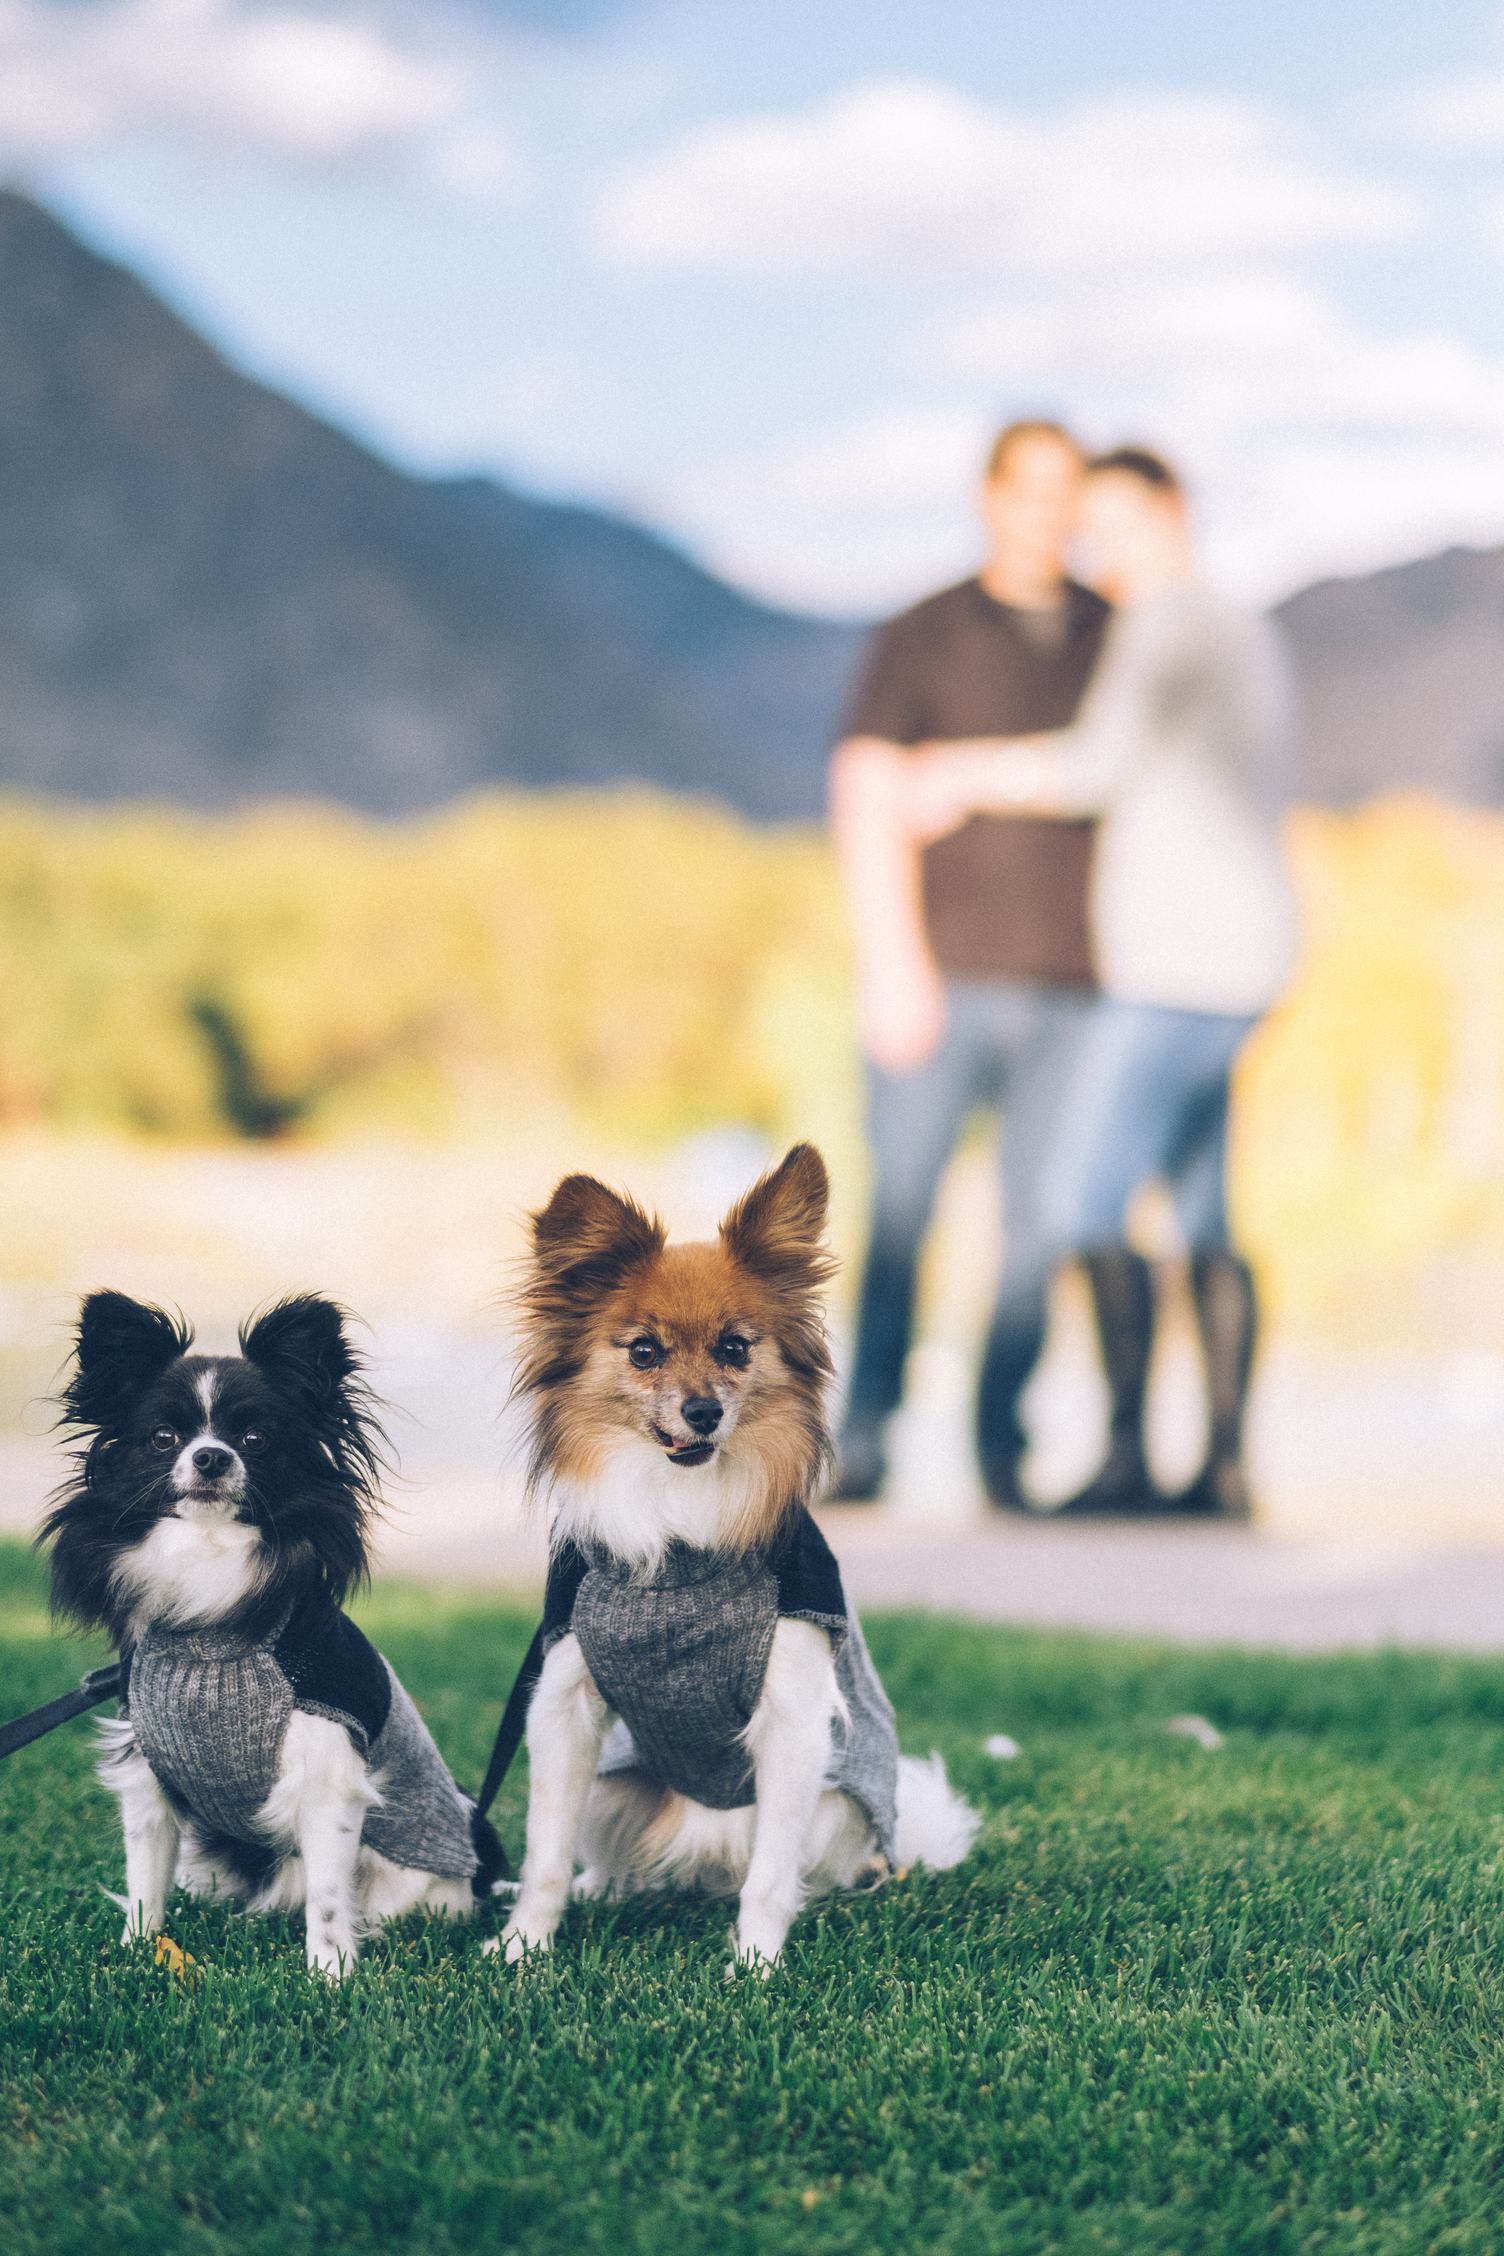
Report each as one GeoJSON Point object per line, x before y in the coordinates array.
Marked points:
{"type": "Point", "coordinates": [176, 1961]}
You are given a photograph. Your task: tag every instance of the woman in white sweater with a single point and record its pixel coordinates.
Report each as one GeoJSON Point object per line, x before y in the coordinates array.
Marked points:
{"type": "Point", "coordinates": [1183, 750]}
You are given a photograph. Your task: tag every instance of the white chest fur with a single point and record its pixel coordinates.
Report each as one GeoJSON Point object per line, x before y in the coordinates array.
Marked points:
{"type": "Point", "coordinates": [190, 1570]}
{"type": "Point", "coordinates": [639, 1503]}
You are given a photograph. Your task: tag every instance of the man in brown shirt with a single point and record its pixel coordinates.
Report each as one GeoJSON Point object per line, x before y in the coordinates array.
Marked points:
{"type": "Point", "coordinates": [973, 956]}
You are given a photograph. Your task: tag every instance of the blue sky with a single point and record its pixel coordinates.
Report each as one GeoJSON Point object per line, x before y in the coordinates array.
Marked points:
{"type": "Point", "coordinates": [767, 276]}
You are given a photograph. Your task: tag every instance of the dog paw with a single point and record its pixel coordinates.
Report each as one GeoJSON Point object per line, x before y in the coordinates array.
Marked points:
{"type": "Point", "coordinates": [330, 1963]}
{"type": "Point", "coordinates": [749, 1959]}
{"type": "Point", "coordinates": [758, 1938]}
{"type": "Point", "coordinates": [514, 1945]}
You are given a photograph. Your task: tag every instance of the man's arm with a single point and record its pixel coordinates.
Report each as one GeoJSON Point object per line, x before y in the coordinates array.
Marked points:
{"type": "Point", "coordinates": [900, 996]}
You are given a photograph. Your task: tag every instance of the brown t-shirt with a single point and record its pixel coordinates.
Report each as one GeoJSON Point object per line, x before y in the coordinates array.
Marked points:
{"type": "Point", "coordinates": [1004, 897]}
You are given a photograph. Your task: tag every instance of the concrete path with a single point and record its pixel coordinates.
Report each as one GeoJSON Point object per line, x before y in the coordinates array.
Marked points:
{"type": "Point", "coordinates": [1195, 1586]}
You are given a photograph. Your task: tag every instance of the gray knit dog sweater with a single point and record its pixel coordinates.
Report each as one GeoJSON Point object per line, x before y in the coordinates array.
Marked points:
{"type": "Point", "coordinates": [681, 1659]}
{"type": "Point", "coordinates": [209, 1710]}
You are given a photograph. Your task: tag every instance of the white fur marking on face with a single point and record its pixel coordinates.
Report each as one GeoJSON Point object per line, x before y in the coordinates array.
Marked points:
{"type": "Point", "coordinates": [228, 1490]}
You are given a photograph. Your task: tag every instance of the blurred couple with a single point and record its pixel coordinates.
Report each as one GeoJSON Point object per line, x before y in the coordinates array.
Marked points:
{"type": "Point", "coordinates": [1057, 814]}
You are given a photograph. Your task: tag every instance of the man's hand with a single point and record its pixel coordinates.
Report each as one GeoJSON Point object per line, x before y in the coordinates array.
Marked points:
{"type": "Point", "coordinates": [901, 1012]}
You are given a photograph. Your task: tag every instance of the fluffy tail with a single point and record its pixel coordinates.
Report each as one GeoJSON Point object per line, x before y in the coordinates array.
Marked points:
{"type": "Point", "coordinates": [935, 1827]}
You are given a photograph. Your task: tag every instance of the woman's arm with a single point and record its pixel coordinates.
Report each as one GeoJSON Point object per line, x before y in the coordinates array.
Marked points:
{"type": "Point", "coordinates": [1064, 772]}
{"type": "Point", "coordinates": [945, 784]}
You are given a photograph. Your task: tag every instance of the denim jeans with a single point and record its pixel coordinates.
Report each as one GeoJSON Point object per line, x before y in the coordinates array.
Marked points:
{"type": "Point", "coordinates": [1146, 1097]}
{"type": "Point", "coordinates": [1010, 1043]}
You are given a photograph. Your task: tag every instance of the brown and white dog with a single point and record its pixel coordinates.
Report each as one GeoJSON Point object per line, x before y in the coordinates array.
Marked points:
{"type": "Point", "coordinates": [677, 1398]}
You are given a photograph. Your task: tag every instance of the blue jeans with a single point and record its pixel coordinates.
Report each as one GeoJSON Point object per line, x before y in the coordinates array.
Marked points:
{"type": "Point", "coordinates": [1007, 1042]}
{"type": "Point", "coordinates": [1146, 1098]}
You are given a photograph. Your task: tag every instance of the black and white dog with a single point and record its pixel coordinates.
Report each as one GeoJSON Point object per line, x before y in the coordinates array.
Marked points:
{"type": "Point", "coordinates": [216, 1520]}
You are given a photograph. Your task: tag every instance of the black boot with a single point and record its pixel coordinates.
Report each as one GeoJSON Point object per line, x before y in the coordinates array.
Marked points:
{"type": "Point", "coordinates": [1227, 1313]}
{"type": "Point", "coordinates": [1001, 1484]}
{"type": "Point", "coordinates": [1122, 1290]}
{"type": "Point", "coordinates": [861, 1466]}
{"type": "Point", "coordinates": [1008, 1360]}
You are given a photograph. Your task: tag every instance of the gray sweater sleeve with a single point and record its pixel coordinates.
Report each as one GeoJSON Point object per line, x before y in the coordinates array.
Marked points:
{"type": "Point", "coordinates": [1183, 662]}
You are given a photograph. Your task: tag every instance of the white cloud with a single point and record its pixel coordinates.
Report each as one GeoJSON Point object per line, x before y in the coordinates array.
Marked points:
{"type": "Point", "coordinates": [226, 79]}
{"type": "Point", "coordinates": [911, 177]}
{"type": "Point", "coordinates": [1226, 352]}
{"type": "Point", "coordinates": [1051, 335]}
{"type": "Point", "coordinates": [849, 519]}
{"type": "Point", "coordinates": [314, 87]}
{"type": "Point", "coordinates": [1306, 509]}
{"type": "Point", "coordinates": [1463, 112]}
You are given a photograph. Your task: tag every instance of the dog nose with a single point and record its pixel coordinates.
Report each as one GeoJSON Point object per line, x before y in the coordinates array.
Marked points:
{"type": "Point", "coordinates": [211, 1461]}
{"type": "Point", "coordinates": [702, 1413]}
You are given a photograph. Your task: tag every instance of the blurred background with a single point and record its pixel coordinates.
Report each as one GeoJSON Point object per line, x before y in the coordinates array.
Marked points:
{"type": "Point", "coordinates": [449, 456]}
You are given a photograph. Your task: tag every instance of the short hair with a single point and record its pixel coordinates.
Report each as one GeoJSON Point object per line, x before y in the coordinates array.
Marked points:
{"type": "Point", "coordinates": [1028, 427]}
{"type": "Point", "coordinates": [1142, 463]}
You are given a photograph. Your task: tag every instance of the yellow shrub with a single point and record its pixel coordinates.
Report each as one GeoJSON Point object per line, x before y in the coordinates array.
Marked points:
{"type": "Point", "coordinates": [655, 966]}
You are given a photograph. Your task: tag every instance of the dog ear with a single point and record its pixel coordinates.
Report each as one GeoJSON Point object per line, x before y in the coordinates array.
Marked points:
{"type": "Point", "coordinates": [301, 1344]}
{"type": "Point", "coordinates": [120, 1347]}
{"type": "Point", "coordinates": [588, 1236]}
{"type": "Point", "coordinates": [777, 1230]}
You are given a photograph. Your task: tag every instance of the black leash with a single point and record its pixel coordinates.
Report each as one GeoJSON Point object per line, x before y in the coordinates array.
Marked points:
{"type": "Point", "coordinates": [513, 1723]}
{"type": "Point", "coordinates": [99, 1684]}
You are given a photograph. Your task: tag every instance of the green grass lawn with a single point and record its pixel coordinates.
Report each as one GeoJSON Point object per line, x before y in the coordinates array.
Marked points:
{"type": "Point", "coordinates": [1176, 2000]}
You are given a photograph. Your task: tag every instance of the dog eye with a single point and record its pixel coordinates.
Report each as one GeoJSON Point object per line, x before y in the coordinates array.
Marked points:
{"type": "Point", "coordinates": [733, 1350]}
{"type": "Point", "coordinates": [164, 1437]}
{"type": "Point", "coordinates": [252, 1438]}
{"type": "Point", "coordinates": [644, 1353]}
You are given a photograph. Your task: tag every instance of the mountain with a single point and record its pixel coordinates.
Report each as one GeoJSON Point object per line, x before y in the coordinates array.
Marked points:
{"type": "Point", "coordinates": [207, 593]}
{"type": "Point", "coordinates": [1401, 677]}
